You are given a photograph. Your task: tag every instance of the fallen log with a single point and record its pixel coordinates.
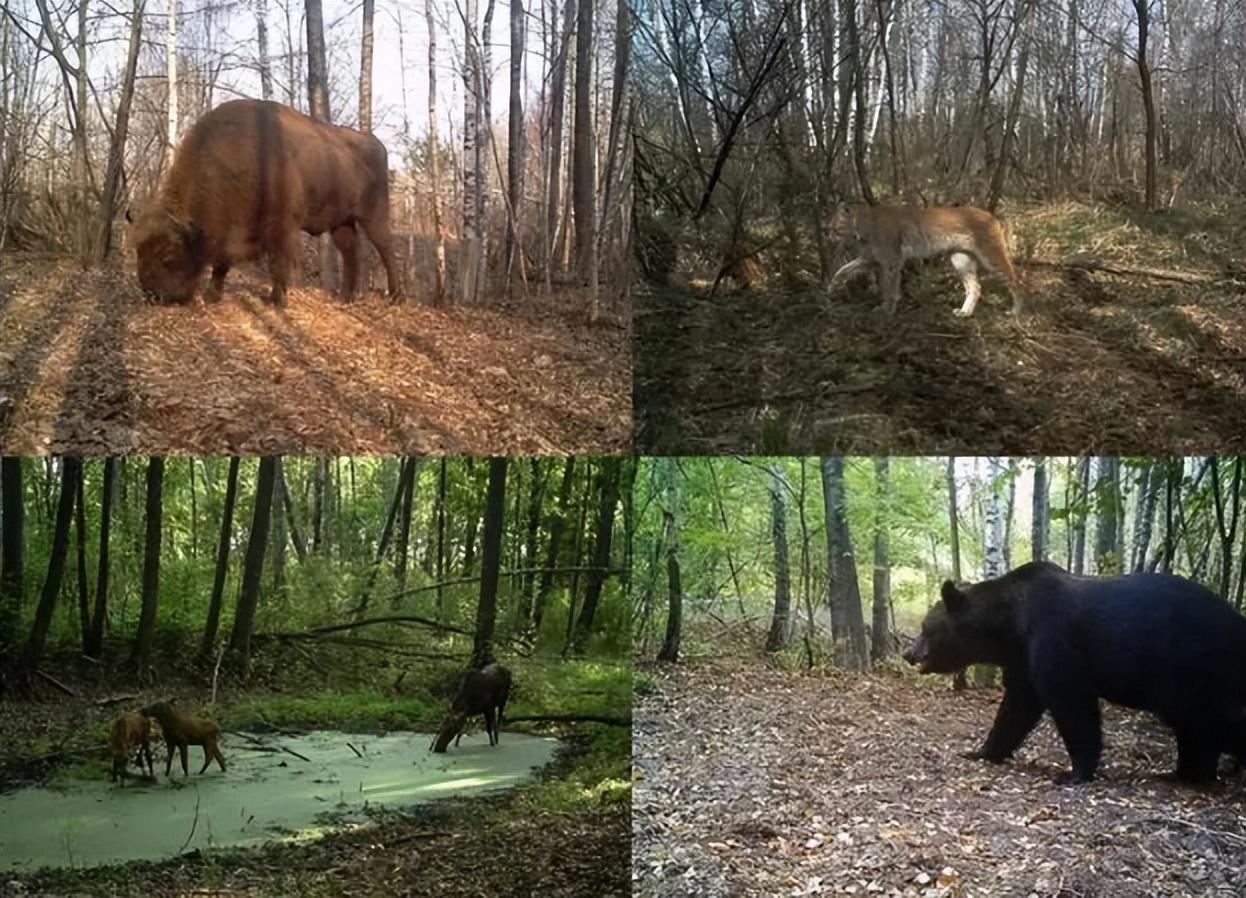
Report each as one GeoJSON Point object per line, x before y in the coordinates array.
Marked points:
{"type": "Point", "coordinates": [114, 699]}
{"type": "Point", "coordinates": [1090, 263]}
{"type": "Point", "coordinates": [48, 678]}
{"type": "Point", "coordinates": [609, 719]}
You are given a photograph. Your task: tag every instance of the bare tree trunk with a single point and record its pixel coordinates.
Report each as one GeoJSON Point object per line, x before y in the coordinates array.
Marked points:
{"type": "Point", "coordinates": [116, 152]}
{"type": "Point", "coordinates": [95, 641]}
{"type": "Point", "coordinates": [212, 625]}
{"type": "Point", "coordinates": [584, 153]}
{"type": "Point", "coordinates": [12, 552]}
{"type": "Point", "coordinates": [484, 144]}
{"type": "Point", "coordinates": [1041, 516]}
{"type": "Point", "coordinates": [999, 177]}
{"type": "Point", "coordinates": [558, 95]}
{"type": "Point", "coordinates": [84, 591]}
{"type": "Point", "coordinates": [1079, 532]}
{"type": "Point", "coordinates": [490, 563]}
{"type": "Point", "coordinates": [151, 561]}
{"type": "Point", "coordinates": [780, 621]}
{"type": "Point", "coordinates": [470, 239]}
{"type": "Point", "coordinates": [170, 64]}
{"type": "Point", "coordinates": [1227, 532]}
{"type": "Point", "coordinates": [253, 562]}
{"type": "Point", "coordinates": [1143, 9]}
{"type": "Point", "coordinates": [261, 36]}
{"type": "Point", "coordinates": [434, 155]}
{"type": "Point", "coordinates": [406, 488]}
{"type": "Point", "coordinates": [556, 527]}
{"type": "Point", "coordinates": [318, 106]}
{"type": "Point", "coordinates": [609, 480]}
{"type": "Point", "coordinates": [880, 629]}
{"type": "Point", "coordinates": [857, 74]}
{"type": "Point", "coordinates": [365, 68]}
{"type": "Point", "coordinates": [443, 613]}
{"type": "Point", "coordinates": [622, 59]}
{"type": "Point", "coordinates": [1144, 522]}
{"type": "Point", "coordinates": [953, 517]}
{"type": "Point", "coordinates": [842, 588]}
{"type": "Point", "coordinates": [1107, 561]}
{"type": "Point", "coordinates": [515, 151]}
{"type": "Point", "coordinates": [670, 538]}
{"type": "Point", "coordinates": [71, 470]}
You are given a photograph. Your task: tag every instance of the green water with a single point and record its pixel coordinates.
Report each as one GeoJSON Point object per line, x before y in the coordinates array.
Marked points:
{"type": "Point", "coordinates": [263, 796]}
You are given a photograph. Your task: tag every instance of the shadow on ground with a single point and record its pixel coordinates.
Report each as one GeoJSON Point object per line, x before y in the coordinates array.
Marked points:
{"type": "Point", "coordinates": [87, 367]}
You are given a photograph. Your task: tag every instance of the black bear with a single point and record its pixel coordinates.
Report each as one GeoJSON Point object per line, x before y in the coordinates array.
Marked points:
{"type": "Point", "coordinates": [1154, 642]}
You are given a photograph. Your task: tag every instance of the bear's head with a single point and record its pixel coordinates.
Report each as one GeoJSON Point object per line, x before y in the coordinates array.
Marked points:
{"type": "Point", "coordinates": [962, 629]}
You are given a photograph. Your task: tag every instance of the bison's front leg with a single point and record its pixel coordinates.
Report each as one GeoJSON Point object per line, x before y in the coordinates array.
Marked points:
{"type": "Point", "coordinates": [348, 245]}
{"type": "Point", "coordinates": [217, 285]}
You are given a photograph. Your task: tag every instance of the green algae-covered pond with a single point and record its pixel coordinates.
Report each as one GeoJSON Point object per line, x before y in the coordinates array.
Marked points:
{"type": "Point", "coordinates": [265, 795]}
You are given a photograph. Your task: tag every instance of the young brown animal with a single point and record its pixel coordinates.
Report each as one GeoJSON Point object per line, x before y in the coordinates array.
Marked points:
{"type": "Point", "coordinates": [483, 691]}
{"type": "Point", "coordinates": [182, 730]}
{"type": "Point", "coordinates": [890, 235]}
{"type": "Point", "coordinates": [129, 732]}
{"type": "Point", "coordinates": [246, 178]}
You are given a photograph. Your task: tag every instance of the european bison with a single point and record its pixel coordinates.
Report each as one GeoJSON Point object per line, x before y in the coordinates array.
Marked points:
{"type": "Point", "coordinates": [246, 178]}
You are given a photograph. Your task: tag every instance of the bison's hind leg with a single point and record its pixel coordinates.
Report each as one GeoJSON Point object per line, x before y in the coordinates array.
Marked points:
{"type": "Point", "coordinates": [377, 229]}
{"type": "Point", "coordinates": [347, 242]}
{"type": "Point", "coordinates": [280, 258]}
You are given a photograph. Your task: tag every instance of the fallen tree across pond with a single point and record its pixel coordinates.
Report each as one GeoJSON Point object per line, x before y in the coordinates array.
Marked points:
{"type": "Point", "coordinates": [608, 719]}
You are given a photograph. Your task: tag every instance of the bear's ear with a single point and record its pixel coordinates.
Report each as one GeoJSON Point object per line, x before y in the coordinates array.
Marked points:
{"type": "Point", "coordinates": [953, 599]}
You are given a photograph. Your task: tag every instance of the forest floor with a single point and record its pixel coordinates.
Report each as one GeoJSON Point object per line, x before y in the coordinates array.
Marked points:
{"type": "Point", "coordinates": [565, 834]}
{"type": "Point", "coordinates": [758, 782]}
{"type": "Point", "coordinates": [1097, 363]}
{"type": "Point", "coordinates": [88, 367]}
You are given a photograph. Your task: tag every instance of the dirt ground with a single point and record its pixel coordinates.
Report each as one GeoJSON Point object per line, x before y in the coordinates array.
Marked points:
{"type": "Point", "coordinates": [88, 367]}
{"type": "Point", "coordinates": [1099, 363]}
{"type": "Point", "coordinates": [754, 782]}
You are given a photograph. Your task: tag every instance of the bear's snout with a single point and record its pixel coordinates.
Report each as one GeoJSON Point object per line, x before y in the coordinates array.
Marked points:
{"type": "Point", "coordinates": [916, 653]}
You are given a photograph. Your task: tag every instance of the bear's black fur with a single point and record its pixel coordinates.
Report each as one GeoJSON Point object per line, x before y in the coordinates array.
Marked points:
{"type": "Point", "coordinates": [1154, 642]}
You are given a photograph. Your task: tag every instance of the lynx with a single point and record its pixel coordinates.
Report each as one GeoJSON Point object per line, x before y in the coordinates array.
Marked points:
{"type": "Point", "coordinates": [891, 234]}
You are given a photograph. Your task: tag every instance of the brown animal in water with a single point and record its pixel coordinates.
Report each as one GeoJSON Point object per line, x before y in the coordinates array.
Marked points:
{"type": "Point", "coordinates": [246, 178]}
{"type": "Point", "coordinates": [483, 691]}
{"type": "Point", "coordinates": [890, 235]}
{"type": "Point", "coordinates": [183, 730]}
{"type": "Point", "coordinates": [129, 732]}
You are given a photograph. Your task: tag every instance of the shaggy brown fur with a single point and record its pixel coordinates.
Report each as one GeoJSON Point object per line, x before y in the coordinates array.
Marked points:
{"type": "Point", "coordinates": [246, 178]}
